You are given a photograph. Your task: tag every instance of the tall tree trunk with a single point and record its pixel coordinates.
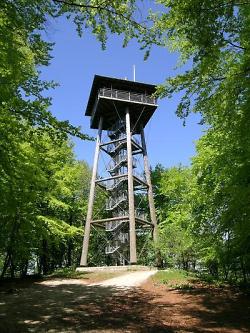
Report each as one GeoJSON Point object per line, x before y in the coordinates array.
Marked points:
{"type": "Point", "coordinates": [9, 251]}
{"type": "Point", "coordinates": [70, 243]}
{"type": "Point", "coordinates": [6, 264]}
{"type": "Point", "coordinates": [243, 269]}
{"type": "Point", "coordinates": [12, 267]}
{"type": "Point", "coordinates": [44, 257]}
{"type": "Point", "coordinates": [39, 265]}
{"type": "Point", "coordinates": [69, 253]}
{"type": "Point", "coordinates": [24, 269]}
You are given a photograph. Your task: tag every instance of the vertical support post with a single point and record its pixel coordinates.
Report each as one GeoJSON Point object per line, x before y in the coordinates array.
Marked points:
{"type": "Point", "coordinates": [150, 188]}
{"type": "Point", "coordinates": [85, 246]}
{"type": "Point", "coordinates": [131, 201]}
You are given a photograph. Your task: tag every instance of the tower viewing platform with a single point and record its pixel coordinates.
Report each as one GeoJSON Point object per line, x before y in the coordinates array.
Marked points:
{"type": "Point", "coordinates": [122, 108]}
{"type": "Point", "coordinates": [109, 96]}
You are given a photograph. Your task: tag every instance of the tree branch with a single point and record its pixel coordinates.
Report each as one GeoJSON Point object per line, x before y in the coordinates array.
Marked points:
{"type": "Point", "coordinates": [101, 8]}
{"type": "Point", "coordinates": [232, 4]}
{"type": "Point", "coordinates": [234, 45]}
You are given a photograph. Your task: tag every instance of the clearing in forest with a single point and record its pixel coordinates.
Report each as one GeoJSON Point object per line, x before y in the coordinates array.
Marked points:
{"type": "Point", "coordinates": [162, 303]}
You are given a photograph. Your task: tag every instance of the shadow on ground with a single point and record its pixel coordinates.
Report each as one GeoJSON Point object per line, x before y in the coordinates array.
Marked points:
{"type": "Point", "coordinates": [78, 308]}
{"type": "Point", "coordinates": [74, 307]}
{"type": "Point", "coordinates": [216, 309]}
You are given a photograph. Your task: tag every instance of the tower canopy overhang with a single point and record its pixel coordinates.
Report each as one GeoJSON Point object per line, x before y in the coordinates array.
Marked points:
{"type": "Point", "coordinates": [110, 97]}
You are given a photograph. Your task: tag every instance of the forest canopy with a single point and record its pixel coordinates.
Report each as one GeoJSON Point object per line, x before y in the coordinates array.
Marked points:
{"type": "Point", "coordinates": [203, 210]}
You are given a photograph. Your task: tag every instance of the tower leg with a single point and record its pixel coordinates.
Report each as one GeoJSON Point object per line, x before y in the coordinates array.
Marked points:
{"type": "Point", "coordinates": [85, 246]}
{"type": "Point", "coordinates": [131, 201]}
{"type": "Point", "coordinates": [150, 188]}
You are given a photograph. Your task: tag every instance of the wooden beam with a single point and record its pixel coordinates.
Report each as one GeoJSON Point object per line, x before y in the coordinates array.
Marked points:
{"type": "Point", "coordinates": [131, 201]}
{"type": "Point", "coordinates": [85, 246]}
{"type": "Point", "coordinates": [150, 188]}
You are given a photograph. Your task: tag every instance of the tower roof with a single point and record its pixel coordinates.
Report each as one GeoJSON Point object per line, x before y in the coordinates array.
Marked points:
{"type": "Point", "coordinates": [111, 94]}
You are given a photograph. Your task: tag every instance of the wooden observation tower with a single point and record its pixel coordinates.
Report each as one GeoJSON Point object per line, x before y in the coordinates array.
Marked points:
{"type": "Point", "coordinates": [122, 108]}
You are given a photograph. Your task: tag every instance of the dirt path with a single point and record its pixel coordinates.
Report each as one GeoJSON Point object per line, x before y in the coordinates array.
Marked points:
{"type": "Point", "coordinates": [133, 279]}
{"type": "Point", "coordinates": [75, 307]}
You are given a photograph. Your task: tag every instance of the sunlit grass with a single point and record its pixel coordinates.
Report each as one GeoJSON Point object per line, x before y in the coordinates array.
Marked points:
{"type": "Point", "coordinates": [176, 279]}
{"type": "Point", "coordinates": [68, 273]}
{"type": "Point", "coordinates": [71, 273]}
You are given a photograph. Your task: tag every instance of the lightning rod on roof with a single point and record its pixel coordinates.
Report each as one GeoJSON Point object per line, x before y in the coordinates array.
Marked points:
{"type": "Point", "coordinates": [134, 72]}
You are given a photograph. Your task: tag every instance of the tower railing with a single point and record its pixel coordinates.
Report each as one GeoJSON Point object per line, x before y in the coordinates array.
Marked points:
{"type": "Point", "coordinates": [139, 213]}
{"type": "Point", "coordinates": [115, 183]}
{"type": "Point", "coordinates": [127, 96]}
{"type": "Point", "coordinates": [113, 225]}
{"type": "Point", "coordinates": [117, 162]}
{"type": "Point", "coordinates": [114, 147]}
{"type": "Point", "coordinates": [117, 130]}
{"type": "Point", "coordinates": [109, 249]}
{"type": "Point", "coordinates": [111, 184]}
{"type": "Point", "coordinates": [112, 203]}
{"type": "Point", "coordinates": [139, 175]}
{"type": "Point", "coordinates": [115, 245]}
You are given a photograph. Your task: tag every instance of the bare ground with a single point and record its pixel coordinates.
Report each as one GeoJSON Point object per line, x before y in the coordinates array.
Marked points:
{"type": "Point", "coordinates": [74, 306]}
{"type": "Point", "coordinates": [127, 280]}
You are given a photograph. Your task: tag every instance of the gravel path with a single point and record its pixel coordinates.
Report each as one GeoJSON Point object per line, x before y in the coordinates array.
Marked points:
{"type": "Point", "coordinates": [117, 305]}
{"type": "Point", "coordinates": [133, 279]}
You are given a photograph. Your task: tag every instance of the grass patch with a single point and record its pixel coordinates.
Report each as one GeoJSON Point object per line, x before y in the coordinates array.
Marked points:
{"type": "Point", "coordinates": [67, 273]}
{"type": "Point", "coordinates": [176, 279]}
{"type": "Point", "coordinates": [71, 273]}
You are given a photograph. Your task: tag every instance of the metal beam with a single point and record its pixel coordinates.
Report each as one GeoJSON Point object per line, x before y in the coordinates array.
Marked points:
{"type": "Point", "coordinates": [139, 180]}
{"type": "Point", "coordinates": [121, 218]}
{"type": "Point", "coordinates": [136, 145]}
{"type": "Point", "coordinates": [110, 178]}
{"type": "Point", "coordinates": [113, 141]}
{"type": "Point", "coordinates": [110, 219]}
{"type": "Point", "coordinates": [141, 221]}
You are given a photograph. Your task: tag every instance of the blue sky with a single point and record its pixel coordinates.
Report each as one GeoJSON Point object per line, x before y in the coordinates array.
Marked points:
{"type": "Point", "coordinates": [76, 61]}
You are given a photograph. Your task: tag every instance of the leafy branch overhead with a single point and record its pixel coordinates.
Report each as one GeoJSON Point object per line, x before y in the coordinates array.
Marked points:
{"type": "Point", "coordinates": [24, 50]}
{"type": "Point", "coordinates": [213, 41]}
{"type": "Point", "coordinates": [203, 210]}
{"type": "Point", "coordinates": [116, 17]}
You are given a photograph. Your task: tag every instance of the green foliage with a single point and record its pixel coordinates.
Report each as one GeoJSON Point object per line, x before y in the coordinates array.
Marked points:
{"type": "Point", "coordinates": [173, 188]}
{"type": "Point", "coordinates": [176, 279]}
{"type": "Point", "coordinates": [43, 189]}
{"type": "Point", "coordinates": [222, 212]}
{"type": "Point", "coordinates": [23, 24]}
{"type": "Point", "coordinates": [22, 51]}
{"type": "Point", "coordinates": [203, 224]}
{"type": "Point", "coordinates": [68, 273]}
{"type": "Point", "coordinates": [212, 38]}
{"type": "Point", "coordinates": [203, 211]}
{"type": "Point", "coordinates": [43, 199]}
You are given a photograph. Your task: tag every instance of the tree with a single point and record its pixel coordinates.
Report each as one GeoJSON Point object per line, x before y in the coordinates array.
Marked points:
{"type": "Point", "coordinates": [23, 50]}
{"type": "Point", "coordinates": [212, 38]}
{"type": "Point", "coordinates": [44, 194]}
{"type": "Point", "coordinates": [176, 242]}
{"type": "Point", "coordinates": [222, 208]}
{"type": "Point", "coordinates": [213, 41]}
{"type": "Point", "coordinates": [40, 210]}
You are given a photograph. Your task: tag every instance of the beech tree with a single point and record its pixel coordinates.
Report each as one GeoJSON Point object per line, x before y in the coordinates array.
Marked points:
{"type": "Point", "coordinates": [204, 208]}
{"type": "Point", "coordinates": [212, 38]}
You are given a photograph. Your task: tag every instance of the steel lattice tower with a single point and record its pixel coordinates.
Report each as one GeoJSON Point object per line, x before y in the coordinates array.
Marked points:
{"type": "Point", "coordinates": [122, 108]}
